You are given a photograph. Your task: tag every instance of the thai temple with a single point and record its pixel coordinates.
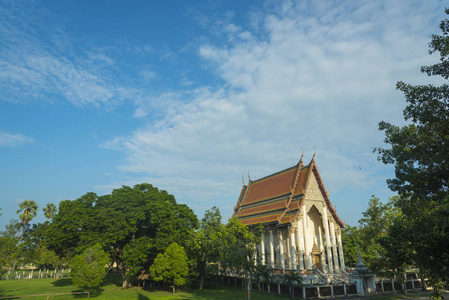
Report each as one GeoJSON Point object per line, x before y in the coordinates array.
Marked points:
{"type": "Point", "coordinates": [302, 231]}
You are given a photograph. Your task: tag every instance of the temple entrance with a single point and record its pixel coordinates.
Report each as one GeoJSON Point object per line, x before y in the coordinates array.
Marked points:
{"type": "Point", "coordinates": [316, 257]}
{"type": "Point", "coordinates": [317, 262]}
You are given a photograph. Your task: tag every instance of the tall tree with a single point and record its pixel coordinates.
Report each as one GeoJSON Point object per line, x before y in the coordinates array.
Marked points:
{"type": "Point", "coordinates": [206, 244]}
{"type": "Point", "coordinates": [135, 223]}
{"type": "Point", "coordinates": [239, 249]}
{"type": "Point", "coordinates": [28, 210]}
{"type": "Point", "coordinates": [420, 154]}
{"type": "Point", "coordinates": [50, 210]}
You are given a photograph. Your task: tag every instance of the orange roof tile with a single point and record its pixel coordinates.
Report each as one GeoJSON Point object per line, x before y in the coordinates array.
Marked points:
{"type": "Point", "coordinates": [278, 197]}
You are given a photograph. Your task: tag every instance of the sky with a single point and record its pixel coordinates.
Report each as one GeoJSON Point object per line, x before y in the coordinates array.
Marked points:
{"type": "Point", "coordinates": [192, 95]}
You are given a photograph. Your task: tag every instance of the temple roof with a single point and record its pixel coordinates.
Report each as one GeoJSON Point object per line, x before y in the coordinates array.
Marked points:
{"type": "Point", "coordinates": [279, 197]}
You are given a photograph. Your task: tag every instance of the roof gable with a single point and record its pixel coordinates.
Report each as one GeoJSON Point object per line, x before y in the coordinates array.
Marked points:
{"type": "Point", "coordinates": [279, 197]}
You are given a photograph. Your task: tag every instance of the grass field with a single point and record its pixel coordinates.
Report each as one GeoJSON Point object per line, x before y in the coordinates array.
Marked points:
{"type": "Point", "coordinates": [111, 289]}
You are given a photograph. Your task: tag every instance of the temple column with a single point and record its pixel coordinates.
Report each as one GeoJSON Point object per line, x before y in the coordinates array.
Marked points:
{"type": "Point", "coordinates": [271, 249]}
{"type": "Point", "coordinates": [281, 250]}
{"type": "Point", "coordinates": [288, 242]}
{"type": "Point", "coordinates": [334, 247]}
{"type": "Point", "coordinates": [300, 241]}
{"type": "Point", "coordinates": [328, 242]}
{"type": "Point", "coordinates": [262, 249]}
{"type": "Point", "coordinates": [322, 250]}
{"type": "Point", "coordinates": [293, 249]}
{"type": "Point", "coordinates": [340, 251]}
{"type": "Point", "coordinates": [308, 262]}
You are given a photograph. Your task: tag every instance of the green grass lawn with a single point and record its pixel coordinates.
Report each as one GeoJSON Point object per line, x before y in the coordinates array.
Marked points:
{"type": "Point", "coordinates": [111, 289]}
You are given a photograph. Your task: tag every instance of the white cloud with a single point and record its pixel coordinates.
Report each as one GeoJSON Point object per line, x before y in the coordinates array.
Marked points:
{"type": "Point", "coordinates": [14, 139]}
{"type": "Point", "coordinates": [321, 76]}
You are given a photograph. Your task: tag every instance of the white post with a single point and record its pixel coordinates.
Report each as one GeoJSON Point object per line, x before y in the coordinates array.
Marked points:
{"type": "Point", "coordinates": [271, 249]}
{"type": "Point", "coordinates": [262, 249]}
{"type": "Point", "coordinates": [300, 241]}
{"type": "Point", "coordinates": [328, 243]}
{"type": "Point", "coordinates": [293, 249]}
{"type": "Point", "coordinates": [334, 247]}
{"type": "Point", "coordinates": [308, 263]}
{"type": "Point", "coordinates": [281, 250]}
{"type": "Point", "coordinates": [340, 251]}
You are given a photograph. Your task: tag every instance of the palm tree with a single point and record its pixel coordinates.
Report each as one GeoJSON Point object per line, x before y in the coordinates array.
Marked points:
{"type": "Point", "coordinates": [290, 280]}
{"type": "Point", "coordinates": [50, 210]}
{"type": "Point", "coordinates": [29, 210]}
{"type": "Point", "coordinates": [264, 272]}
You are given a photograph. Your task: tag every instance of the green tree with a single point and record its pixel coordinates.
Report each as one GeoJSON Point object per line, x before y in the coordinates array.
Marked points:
{"type": "Point", "coordinates": [48, 258]}
{"type": "Point", "coordinates": [89, 268]}
{"type": "Point", "coordinates": [420, 154]}
{"type": "Point", "coordinates": [128, 219]}
{"type": "Point", "coordinates": [9, 245]}
{"type": "Point", "coordinates": [374, 225]}
{"type": "Point", "coordinates": [239, 249]}
{"type": "Point", "coordinates": [263, 273]}
{"type": "Point", "coordinates": [171, 267]}
{"type": "Point", "coordinates": [50, 210]}
{"type": "Point", "coordinates": [291, 280]}
{"type": "Point", "coordinates": [28, 210]}
{"type": "Point", "coordinates": [206, 244]}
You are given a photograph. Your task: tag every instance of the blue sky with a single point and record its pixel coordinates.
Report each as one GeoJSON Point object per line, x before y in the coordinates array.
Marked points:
{"type": "Point", "coordinates": [191, 95]}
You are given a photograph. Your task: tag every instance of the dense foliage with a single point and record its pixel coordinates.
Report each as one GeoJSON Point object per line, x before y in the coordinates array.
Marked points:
{"type": "Point", "coordinates": [134, 223]}
{"type": "Point", "coordinates": [88, 268]}
{"type": "Point", "coordinates": [420, 154]}
{"type": "Point", "coordinates": [171, 267]}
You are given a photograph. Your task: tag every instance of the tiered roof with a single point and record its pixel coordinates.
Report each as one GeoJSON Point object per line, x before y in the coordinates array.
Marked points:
{"type": "Point", "coordinates": [279, 197]}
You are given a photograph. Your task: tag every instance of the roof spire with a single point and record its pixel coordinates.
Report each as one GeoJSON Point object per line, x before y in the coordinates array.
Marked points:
{"type": "Point", "coordinates": [248, 176]}
{"type": "Point", "coordinates": [314, 151]}
{"type": "Point", "coordinates": [243, 180]}
{"type": "Point", "coordinates": [300, 160]}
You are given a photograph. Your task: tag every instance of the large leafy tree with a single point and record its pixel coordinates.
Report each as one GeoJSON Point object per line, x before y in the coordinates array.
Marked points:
{"type": "Point", "coordinates": [420, 154]}
{"type": "Point", "coordinates": [171, 267]}
{"type": "Point", "coordinates": [136, 223]}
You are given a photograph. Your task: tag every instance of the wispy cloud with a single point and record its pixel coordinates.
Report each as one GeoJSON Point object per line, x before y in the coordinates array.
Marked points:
{"type": "Point", "coordinates": [14, 139]}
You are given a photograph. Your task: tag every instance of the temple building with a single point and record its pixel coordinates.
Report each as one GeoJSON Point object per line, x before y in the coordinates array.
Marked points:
{"type": "Point", "coordinates": [302, 231]}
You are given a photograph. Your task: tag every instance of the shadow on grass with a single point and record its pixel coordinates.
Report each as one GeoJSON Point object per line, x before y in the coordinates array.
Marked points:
{"type": "Point", "coordinates": [113, 279]}
{"type": "Point", "coordinates": [62, 282]}
{"type": "Point", "coordinates": [142, 297]}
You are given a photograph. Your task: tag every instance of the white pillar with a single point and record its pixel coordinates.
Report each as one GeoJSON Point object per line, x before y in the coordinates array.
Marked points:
{"type": "Point", "coordinates": [328, 243]}
{"type": "Point", "coordinates": [300, 241]}
{"type": "Point", "coordinates": [334, 247]}
{"type": "Point", "coordinates": [308, 263]}
{"type": "Point", "coordinates": [322, 250]}
{"type": "Point", "coordinates": [281, 250]}
{"type": "Point", "coordinates": [287, 250]}
{"type": "Point", "coordinates": [293, 249]}
{"type": "Point", "coordinates": [262, 249]}
{"type": "Point", "coordinates": [340, 251]}
{"type": "Point", "coordinates": [271, 249]}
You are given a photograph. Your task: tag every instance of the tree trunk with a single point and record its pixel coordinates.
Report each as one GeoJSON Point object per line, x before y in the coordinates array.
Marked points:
{"type": "Point", "coordinates": [125, 278]}
{"type": "Point", "coordinates": [201, 282]}
{"type": "Point", "coordinates": [248, 286]}
{"type": "Point", "coordinates": [20, 243]}
{"type": "Point", "coordinates": [173, 288]}
{"type": "Point", "coordinates": [423, 284]}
